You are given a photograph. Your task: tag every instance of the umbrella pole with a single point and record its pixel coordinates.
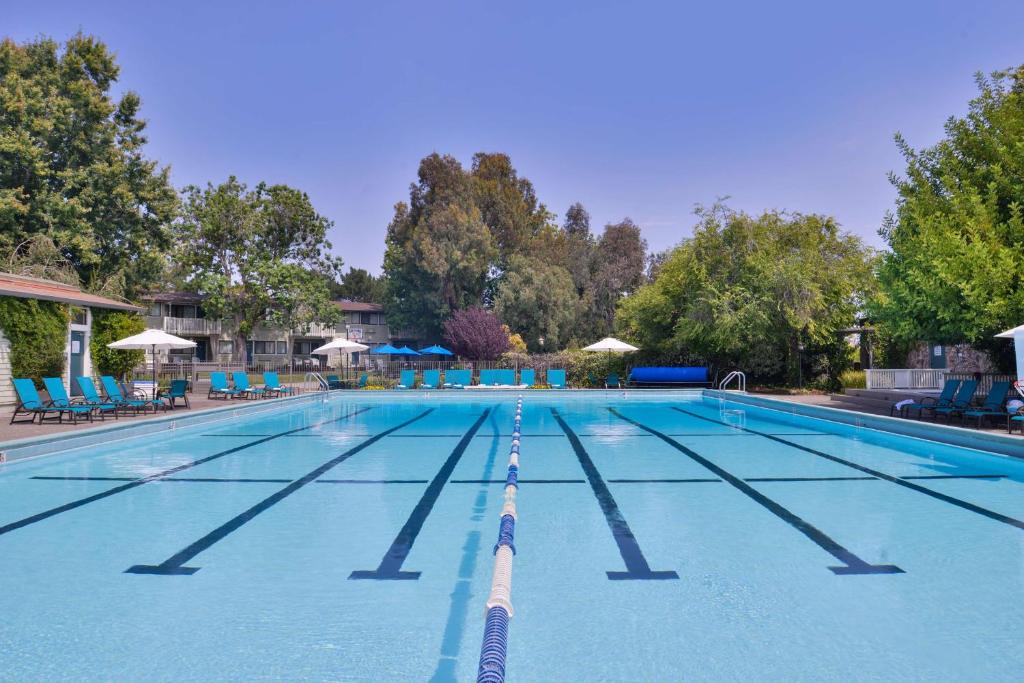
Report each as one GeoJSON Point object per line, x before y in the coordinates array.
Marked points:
{"type": "Point", "coordinates": [154, 371]}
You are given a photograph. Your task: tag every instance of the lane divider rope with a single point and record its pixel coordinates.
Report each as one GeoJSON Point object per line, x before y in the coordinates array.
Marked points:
{"type": "Point", "coordinates": [499, 602]}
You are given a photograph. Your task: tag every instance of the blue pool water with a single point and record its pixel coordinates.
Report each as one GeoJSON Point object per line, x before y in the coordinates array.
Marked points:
{"type": "Point", "coordinates": [659, 538]}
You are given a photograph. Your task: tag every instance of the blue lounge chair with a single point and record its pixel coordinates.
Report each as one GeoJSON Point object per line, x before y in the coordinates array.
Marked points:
{"type": "Point", "coordinates": [178, 389]}
{"type": "Point", "coordinates": [505, 378]}
{"type": "Point", "coordinates": [431, 379]}
{"type": "Point", "coordinates": [244, 389]}
{"type": "Point", "coordinates": [961, 402]}
{"type": "Point", "coordinates": [59, 399]}
{"type": "Point", "coordinates": [556, 379]}
{"type": "Point", "coordinates": [92, 397]}
{"type": "Point", "coordinates": [272, 385]}
{"type": "Point", "coordinates": [364, 379]}
{"type": "Point", "coordinates": [487, 378]}
{"type": "Point", "coordinates": [29, 403]}
{"type": "Point", "coordinates": [458, 379]}
{"type": "Point", "coordinates": [407, 380]}
{"type": "Point", "coordinates": [527, 377]}
{"type": "Point", "coordinates": [612, 382]}
{"type": "Point", "coordinates": [115, 396]}
{"type": "Point", "coordinates": [944, 400]}
{"type": "Point", "coordinates": [993, 406]}
{"type": "Point", "coordinates": [219, 386]}
{"type": "Point", "coordinates": [334, 382]}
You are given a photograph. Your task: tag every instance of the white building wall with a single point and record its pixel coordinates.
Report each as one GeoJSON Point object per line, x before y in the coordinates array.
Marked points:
{"type": "Point", "coordinates": [6, 388]}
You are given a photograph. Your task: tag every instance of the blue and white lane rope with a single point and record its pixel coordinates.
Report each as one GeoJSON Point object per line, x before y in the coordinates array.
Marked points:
{"type": "Point", "coordinates": [499, 603]}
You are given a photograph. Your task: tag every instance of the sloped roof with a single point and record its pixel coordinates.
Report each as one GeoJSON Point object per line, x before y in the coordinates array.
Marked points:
{"type": "Point", "coordinates": [358, 306]}
{"type": "Point", "coordinates": [174, 297]}
{"type": "Point", "coordinates": [25, 287]}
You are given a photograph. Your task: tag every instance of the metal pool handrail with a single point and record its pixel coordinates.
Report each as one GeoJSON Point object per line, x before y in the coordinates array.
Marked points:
{"type": "Point", "coordinates": [499, 602]}
{"type": "Point", "coordinates": [741, 381]}
{"type": "Point", "coordinates": [321, 383]}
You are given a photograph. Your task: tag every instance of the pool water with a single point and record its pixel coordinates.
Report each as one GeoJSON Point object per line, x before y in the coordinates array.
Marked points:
{"type": "Point", "coordinates": [660, 537]}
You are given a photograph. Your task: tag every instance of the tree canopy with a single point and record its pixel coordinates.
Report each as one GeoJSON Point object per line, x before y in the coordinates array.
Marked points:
{"type": "Point", "coordinates": [749, 291]}
{"type": "Point", "coordinates": [477, 334]}
{"type": "Point", "coordinates": [538, 300]}
{"type": "Point", "coordinates": [359, 284]}
{"type": "Point", "coordinates": [73, 167]}
{"type": "Point", "coordinates": [954, 274]}
{"type": "Point", "coordinates": [260, 256]}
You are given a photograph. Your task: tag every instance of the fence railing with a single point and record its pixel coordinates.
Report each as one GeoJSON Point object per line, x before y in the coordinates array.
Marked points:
{"type": "Point", "coordinates": [909, 378]}
{"type": "Point", "coordinates": [984, 380]}
{"type": "Point", "coordinates": [185, 325]}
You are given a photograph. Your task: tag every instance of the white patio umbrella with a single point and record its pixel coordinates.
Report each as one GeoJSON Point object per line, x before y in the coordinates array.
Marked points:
{"type": "Point", "coordinates": [152, 340]}
{"type": "Point", "coordinates": [342, 346]}
{"type": "Point", "coordinates": [611, 345]}
{"type": "Point", "coordinates": [1017, 335]}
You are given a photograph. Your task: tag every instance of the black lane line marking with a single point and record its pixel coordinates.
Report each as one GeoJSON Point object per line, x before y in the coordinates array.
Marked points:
{"type": "Point", "coordinates": [664, 481]}
{"type": "Point", "coordinates": [175, 564]}
{"type": "Point", "coordinates": [160, 481]}
{"type": "Point", "coordinates": [853, 564]}
{"type": "Point", "coordinates": [371, 481]}
{"type": "Point", "coordinates": [957, 476]}
{"type": "Point", "coordinates": [236, 435]}
{"type": "Point", "coordinates": [38, 517]}
{"type": "Point", "coordinates": [984, 512]}
{"type": "Point", "coordinates": [629, 548]}
{"type": "Point", "coordinates": [698, 434]}
{"type": "Point", "coordinates": [762, 479]}
{"type": "Point", "coordinates": [390, 567]}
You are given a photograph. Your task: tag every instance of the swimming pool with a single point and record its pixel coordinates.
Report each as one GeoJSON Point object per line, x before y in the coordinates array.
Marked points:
{"type": "Point", "coordinates": [660, 537]}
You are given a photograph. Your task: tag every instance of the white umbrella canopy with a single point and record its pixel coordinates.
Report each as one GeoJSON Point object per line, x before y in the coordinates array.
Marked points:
{"type": "Point", "coordinates": [343, 345]}
{"type": "Point", "coordinates": [153, 340]}
{"type": "Point", "coordinates": [612, 345]}
{"type": "Point", "coordinates": [1017, 335]}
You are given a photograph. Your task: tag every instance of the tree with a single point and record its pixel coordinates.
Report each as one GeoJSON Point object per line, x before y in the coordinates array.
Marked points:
{"type": "Point", "coordinates": [72, 166]}
{"type": "Point", "coordinates": [617, 270]}
{"type": "Point", "coordinates": [477, 334]}
{"type": "Point", "coordinates": [954, 273]}
{"type": "Point", "coordinates": [764, 294]}
{"type": "Point", "coordinates": [360, 285]}
{"type": "Point", "coordinates": [580, 246]}
{"type": "Point", "coordinates": [259, 256]}
{"type": "Point", "coordinates": [439, 251]}
{"type": "Point", "coordinates": [508, 205]}
{"type": "Point", "coordinates": [109, 326]}
{"type": "Point", "coordinates": [538, 300]}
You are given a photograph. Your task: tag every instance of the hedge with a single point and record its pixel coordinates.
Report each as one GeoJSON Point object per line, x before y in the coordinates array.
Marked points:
{"type": "Point", "coordinates": [38, 333]}
{"type": "Point", "coordinates": [109, 326]}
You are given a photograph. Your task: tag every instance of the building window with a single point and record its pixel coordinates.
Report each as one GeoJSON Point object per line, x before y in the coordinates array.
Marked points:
{"type": "Point", "coordinates": [156, 310]}
{"type": "Point", "coordinates": [269, 348]}
{"type": "Point", "coordinates": [364, 319]}
{"type": "Point", "coordinates": [79, 316]}
{"type": "Point", "coordinates": [302, 348]}
{"type": "Point", "coordinates": [225, 347]}
{"type": "Point", "coordinates": [282, 348]}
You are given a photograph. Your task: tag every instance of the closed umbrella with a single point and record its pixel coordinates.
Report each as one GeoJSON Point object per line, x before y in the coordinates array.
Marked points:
{"type": "Point", "coordinates": [152, 339]}
{"type": "Point", "coordinates": [1017, 335]}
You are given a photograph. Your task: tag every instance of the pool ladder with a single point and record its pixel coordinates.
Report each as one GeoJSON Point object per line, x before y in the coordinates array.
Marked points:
{"type": "Point", "coordinates": [741, 381]}
{"type": "Point", "coordinates": [317, 379]}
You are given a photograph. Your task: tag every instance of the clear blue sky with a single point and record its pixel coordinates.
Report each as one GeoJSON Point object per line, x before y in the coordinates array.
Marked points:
{"type": "Point", "coordinates": [639, 109]}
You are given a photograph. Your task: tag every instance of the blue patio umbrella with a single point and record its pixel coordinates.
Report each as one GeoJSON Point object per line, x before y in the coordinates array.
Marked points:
{"type": "Point", "coordinates": [437, 351]}
{"type": "Point", "coordinates": [386, 349]}
{"type": "Point", "coordinates": [406, 351]}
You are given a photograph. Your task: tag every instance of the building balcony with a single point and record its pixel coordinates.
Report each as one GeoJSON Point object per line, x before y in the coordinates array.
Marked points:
{"type": "Point", "coordinates": [193, 326]}
{"type": "Point", "coordinates": [316, 330]}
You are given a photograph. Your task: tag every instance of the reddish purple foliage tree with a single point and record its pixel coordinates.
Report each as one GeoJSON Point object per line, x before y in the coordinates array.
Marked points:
{"type": "Point", "coordinates": [477, 334]}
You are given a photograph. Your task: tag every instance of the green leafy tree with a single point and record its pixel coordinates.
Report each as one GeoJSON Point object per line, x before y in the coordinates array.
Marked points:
{"type": "Point", "coordinates": [37, 331]}
{"type": "Point", "coordinates": [617, 270]}
{"type": "Point", "coordinates": [954, 271]}
{"type": "Point", "coordinates": [259, 256]}
{"type": "Point", "coordinates": [537, 300]}
{"type": "Point", "coordinates": [508, 205]}
{"type": "Point", "coordinates": [749, 292]}
{"type": "Point", "coordinates": [72, 164]}
{"type": "Point", "coordinates": [109, 326]}
{"type": "Point", "coordinates": [580, 247]}
{"type": "Point", "coordinates": [360, 285]}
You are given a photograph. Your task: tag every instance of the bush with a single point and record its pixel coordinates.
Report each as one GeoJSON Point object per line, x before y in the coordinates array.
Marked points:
{"type": "Point", "coordinates": [109, 326]}
{"type": "Point", "coordinates": [854, 379]}
{"type": "Point", "coordinates": [38, 332]}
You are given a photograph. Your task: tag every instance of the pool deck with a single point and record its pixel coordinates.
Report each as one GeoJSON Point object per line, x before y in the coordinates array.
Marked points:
{"type": "Point", "coordinates": [24, 430]}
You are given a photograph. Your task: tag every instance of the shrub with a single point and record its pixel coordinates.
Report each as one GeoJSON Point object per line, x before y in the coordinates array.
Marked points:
{"type": "Point", "coordinates": [854, 379]}
{"type": "Point", "coordinates": [476, 334]}
{"type": "Point", "coordinates": [38, 332]}
{"type": "Point", "coordinates": [109, 326]}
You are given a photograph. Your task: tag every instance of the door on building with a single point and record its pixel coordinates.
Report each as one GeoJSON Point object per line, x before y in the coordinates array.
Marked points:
{"type": "Point", "coordinates": [77, 360]}
{"type": "Point", "coordinates": [938, 357]}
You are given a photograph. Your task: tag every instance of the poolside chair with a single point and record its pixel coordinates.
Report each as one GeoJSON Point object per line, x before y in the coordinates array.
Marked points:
{"type": "Point", "coordinates": [944, 400]}
{"type": "Point", "coordinates": [961, 402]}
{"type": "Point", "coordinates": [1015, 419]}
{"type": "Point", "coordinates": [334, 382]}
{"type": "Point", "coordinates": [407, 380]}
{"type": "Point", "coordinates": [59, 399]}
{"type": "Point", "coordinates": [487, 378]}
{"type": "Point", "coordinates": [457, 379]}
{"type": "Point", "coordinates": [244, 389]}
{"type": "Point", "coordinates": [431, 379]}
{"type": "Point", "coordinates": [178, 389]}
{"type": "Point", "coordinates": [272, 385]}
{"type": "Point", "coordinates": [612, 381]}
{"type": "Point", "coordinates": [364, 379]}
{"type": "Point", "coordinates": [556, 379]}
{"type": "Point", "coordinates": [527, 376]}
{"type": "Point", "coordinates": [30, 404]}
{"type": "Point", "coordinates": [121, 399]}
{"type": "Point", "coordinates": [219, 386]}
{"type": "Point", "coordinates": [993, 405]}
{"type": "Point", "coordinates": [92, 397]}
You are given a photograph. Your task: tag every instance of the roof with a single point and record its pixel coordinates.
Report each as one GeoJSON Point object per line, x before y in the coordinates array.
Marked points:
{"type": "Point", "coordinates": [358, 306]}
{"type": "Point", "coordinates": [174, 297]}
{"type": "Point", "coordinates": [25, 287]}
